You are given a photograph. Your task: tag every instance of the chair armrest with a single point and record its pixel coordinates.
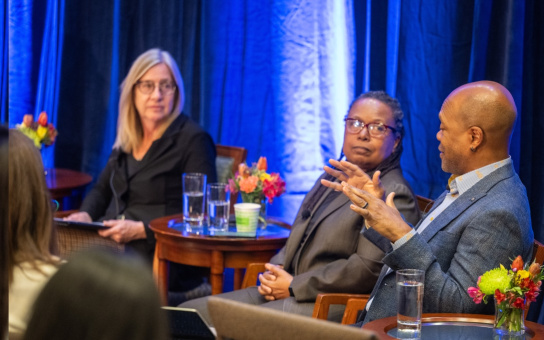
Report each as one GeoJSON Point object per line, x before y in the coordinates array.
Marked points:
{"type": "Point", "coordinates": [352, 309]}
{"type": "Point", "coordinates": [65, 213]}
{"type": "Point", "coordinates": [355, 303]}
{"type": "Point", "coordinates": [252, 273]}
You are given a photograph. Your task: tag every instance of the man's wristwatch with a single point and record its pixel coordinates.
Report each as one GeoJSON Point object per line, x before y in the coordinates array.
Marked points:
{"type": "Point", "coordinates": [291, 293]}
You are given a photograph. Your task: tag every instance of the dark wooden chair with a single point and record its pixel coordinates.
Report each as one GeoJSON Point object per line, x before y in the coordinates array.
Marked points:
{"type": "Point", "coordinates": [226, 163]}
{"type": "Point", "coordinates": [425, 204]}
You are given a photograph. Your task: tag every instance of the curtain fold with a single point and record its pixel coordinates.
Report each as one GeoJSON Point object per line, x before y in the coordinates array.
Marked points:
{"type": "Point", "coordinates": [47, 94]}
{"type": "Point", "coordinates": [4, 64]}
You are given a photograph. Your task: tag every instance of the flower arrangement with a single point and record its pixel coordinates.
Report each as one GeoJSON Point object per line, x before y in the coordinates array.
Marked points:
{"type": "Point", "coordinates": [511, 288]}
{"type": "Point", "coordinates": [41, 132]}
{"type": "Point", "coordinates": [255, 183]}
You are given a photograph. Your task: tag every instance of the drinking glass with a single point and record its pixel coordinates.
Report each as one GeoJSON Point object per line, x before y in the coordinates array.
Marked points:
{"type": "Point", "coordinates": [218, 206]}
{"type": "Point", "coordinates": [194, 185]}
{"type": "Point", "coordinates": [410, 284]}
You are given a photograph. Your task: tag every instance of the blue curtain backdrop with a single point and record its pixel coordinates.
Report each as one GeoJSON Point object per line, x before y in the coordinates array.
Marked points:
{"type": "Point", "coordinates": [4, 63]}
{"type": "Point", "coordinates": [35, 53]}
{"type": "Point", "coordinates": [276, 76]}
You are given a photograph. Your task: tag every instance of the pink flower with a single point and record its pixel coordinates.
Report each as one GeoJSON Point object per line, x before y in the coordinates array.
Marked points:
{"type": "Point", "coordinates": [248, 184]}
{"type": "Point", "coordinates": [531, 295]}
{"type": "Point", "coordinates": [232, 186]}
{"type": "Point", "coordinates": [273, 187]}
{"type": "Point", "coordinates": [476, 294]}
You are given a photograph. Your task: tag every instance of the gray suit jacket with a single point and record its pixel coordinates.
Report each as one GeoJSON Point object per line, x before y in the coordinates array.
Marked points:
{"type": "Point", "coordinates": [336, 257]}
{"type": "Point", "coordinates": [488, 225]}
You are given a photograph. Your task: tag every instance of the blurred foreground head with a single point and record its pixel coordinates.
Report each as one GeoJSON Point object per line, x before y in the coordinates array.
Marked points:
{"type": "Point", "coordinates": [30, 216]}
{"type": "Point", "coordinates": [97, 295]}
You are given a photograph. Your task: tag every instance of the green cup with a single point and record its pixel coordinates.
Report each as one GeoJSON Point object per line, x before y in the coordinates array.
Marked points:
{"type": "Point", "coordinates": [247, 216]}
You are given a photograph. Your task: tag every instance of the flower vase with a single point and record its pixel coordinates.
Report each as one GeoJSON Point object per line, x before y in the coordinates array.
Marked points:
{"type": "Point", "coordinates": [509, 321]}
{"type": "Point", "coordinates": [263, 212]}
{"type": "Point", "coordinates": [263, 201]}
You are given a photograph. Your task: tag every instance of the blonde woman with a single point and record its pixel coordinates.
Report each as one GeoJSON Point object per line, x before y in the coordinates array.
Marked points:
{"type": "Point", "coordinates": [31, 240]}
{"type": "Point", "coordinates": [155, 145]}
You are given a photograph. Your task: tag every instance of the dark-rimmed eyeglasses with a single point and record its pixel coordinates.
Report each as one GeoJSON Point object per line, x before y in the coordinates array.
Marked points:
{"type": "Point", "coordinates": [147, 87]}
{"type": "Point", "coordinates": [374, 129]}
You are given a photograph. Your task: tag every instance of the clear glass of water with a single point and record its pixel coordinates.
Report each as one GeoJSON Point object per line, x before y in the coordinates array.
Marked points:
{"type": "Point", "coordinates": [218, 206]}
{"type": "Point", "coordinates": [194, 185]}
{"type": "Point", "coordinates": [410, 283]}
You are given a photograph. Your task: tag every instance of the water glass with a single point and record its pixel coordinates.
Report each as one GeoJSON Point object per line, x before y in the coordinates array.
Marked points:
{"type": "Point", "coordinates": [410, 283]}
{"type": "Point", "coordinates": [194, 185]}
{"type": "Point", "coordinates": [218, 206]}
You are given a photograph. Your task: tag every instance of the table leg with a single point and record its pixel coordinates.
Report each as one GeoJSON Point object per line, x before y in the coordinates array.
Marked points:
{"type": "Point", "coordinates": [238, 278]}
{"type": "Point", "coordinates": [217, 269]}
{"type": "Point", "coordinates": [160, 272]}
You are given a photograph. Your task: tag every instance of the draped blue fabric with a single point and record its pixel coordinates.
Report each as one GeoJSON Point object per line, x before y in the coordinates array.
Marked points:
{"type": "Point", "coordinates": [279, 81]}
{"type": "Point", "coordinates": [277, 76]}
{"type": "Point", "coordinates": [4, 64]}
{"type": "Point", "coordinates": [33, 90]}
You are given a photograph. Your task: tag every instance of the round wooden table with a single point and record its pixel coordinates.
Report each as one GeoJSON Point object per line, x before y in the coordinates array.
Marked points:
{"type": "Point", "coordinates": [464, 323]}
{"type": "Point", "coordinates": [66, 186]}
{"type": "Point", "coordinates": [176, 244]}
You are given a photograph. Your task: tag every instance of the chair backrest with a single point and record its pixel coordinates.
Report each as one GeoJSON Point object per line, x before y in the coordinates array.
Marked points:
{"type": "Point", "coordinates": [227, 160]}
{"type": "Point", "coordinates": [425, 204]}
{"type": "Point", "coordinates": [72, 239]}
{"type": "Point", "coordinates": [226, 163]}
{"type": "Point", "coordinates": [538, 252]}
{"type": "Point", "coordinates": [239, 321]}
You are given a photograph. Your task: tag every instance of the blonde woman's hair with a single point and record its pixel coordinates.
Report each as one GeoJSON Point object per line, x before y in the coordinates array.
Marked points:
{"type": "Point", "coordinates": [129, 126]}
{"type": "Point", "coordinates": [31, 233]}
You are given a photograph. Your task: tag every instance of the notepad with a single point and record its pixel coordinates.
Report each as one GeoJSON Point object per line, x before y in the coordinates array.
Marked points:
{"type": "Point", "coordinates": [80, 225]}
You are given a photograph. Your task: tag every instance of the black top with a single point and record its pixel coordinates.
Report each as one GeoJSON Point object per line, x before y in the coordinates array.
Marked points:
{"type": "Point", "coordinates": [153, 189]}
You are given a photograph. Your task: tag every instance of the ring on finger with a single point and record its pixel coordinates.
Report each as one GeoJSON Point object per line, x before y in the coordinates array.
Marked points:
{"type": "Point", "coordinates": [364, 206]}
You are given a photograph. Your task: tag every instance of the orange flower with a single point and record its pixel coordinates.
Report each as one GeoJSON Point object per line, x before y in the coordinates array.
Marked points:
{"type": "Point", "coordinates": [248, 184]}
{"type": "Point", "coordinates": [28, 120]}
{"type": "Point", "coordinates": [517, 264]}
{"type": "Point", "coordinates": [262, 164]}
{"type": "Point", "coordinates": [243, 170]}
{"type": "Point", "coordinates": [42, 119]}
{"type": "Point", "coordinates": [534, 269]}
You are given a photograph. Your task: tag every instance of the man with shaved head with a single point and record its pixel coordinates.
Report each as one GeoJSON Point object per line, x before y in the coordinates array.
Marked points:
{"type": "Point", "coordinates": [482, 221]}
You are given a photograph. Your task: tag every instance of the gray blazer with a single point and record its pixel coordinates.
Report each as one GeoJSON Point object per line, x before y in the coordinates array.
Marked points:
{"type": "Point", "coordinates": [488, 225]}
{"type": "Point", "coordinates": [336, 257]}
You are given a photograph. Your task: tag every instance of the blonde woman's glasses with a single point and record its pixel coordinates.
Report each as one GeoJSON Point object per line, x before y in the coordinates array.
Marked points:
{"type": "Point", "coordinates": [147, 87]}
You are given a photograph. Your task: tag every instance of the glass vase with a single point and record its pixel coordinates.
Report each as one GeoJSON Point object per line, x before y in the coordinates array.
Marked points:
{"type": "Point", "coordinates": [509, 321]}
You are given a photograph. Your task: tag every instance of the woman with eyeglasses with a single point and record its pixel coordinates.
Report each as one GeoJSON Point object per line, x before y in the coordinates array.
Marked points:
{"type": "Point", "coordinates": [155, 145]}
{"type": "Point", "coordinates": [327, 250]}
{"type": "Point", "coordinates": [373, 141]}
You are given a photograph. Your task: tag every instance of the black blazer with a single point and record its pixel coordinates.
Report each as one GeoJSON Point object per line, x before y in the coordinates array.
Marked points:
{"type": "Point", "coordinates": [155, 189]}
